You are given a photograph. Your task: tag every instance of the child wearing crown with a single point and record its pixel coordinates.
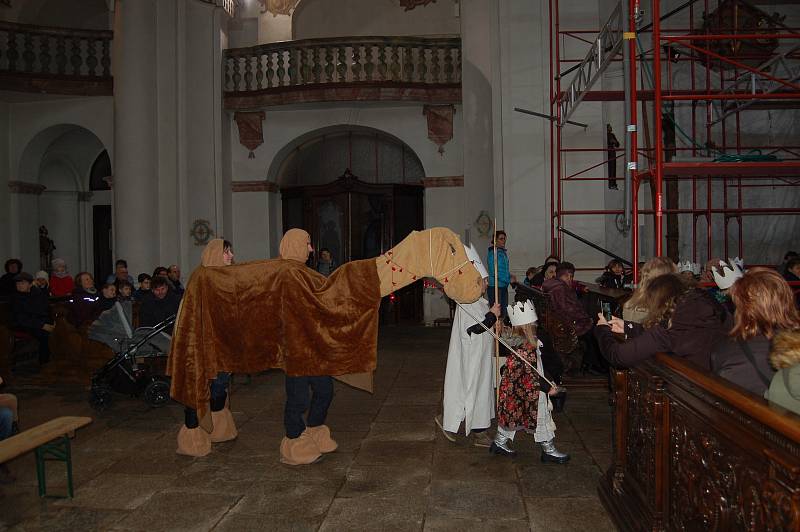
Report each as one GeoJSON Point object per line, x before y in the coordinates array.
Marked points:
{"type": "Point", "coordinates": [524, 395]}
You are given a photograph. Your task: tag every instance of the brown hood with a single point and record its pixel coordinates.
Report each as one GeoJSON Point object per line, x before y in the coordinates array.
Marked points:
{"type": "Point", "coordinates": [212, 254]}
{"type": "Point", "coordinates": [785, 349]}
{"type": "Point", "coordinates": [294, 245]}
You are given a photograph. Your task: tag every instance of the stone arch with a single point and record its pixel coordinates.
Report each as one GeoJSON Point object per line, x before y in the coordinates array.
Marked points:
{"type": "Point", "coordinates": [307, 146]}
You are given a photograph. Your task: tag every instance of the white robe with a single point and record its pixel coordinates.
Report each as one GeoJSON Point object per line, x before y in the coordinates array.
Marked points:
{"type": "Point", "coordinates": [468, 392]}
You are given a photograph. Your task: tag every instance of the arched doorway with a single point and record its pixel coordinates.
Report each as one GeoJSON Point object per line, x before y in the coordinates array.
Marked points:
{"type": "Point", "coordinates": [64, 161]}
{"type": "Point", "coordinates": [358, 192]}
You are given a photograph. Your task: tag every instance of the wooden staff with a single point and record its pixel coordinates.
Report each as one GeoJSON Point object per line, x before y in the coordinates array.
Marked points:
{"type": "Point", "coordinates": [496, 341]}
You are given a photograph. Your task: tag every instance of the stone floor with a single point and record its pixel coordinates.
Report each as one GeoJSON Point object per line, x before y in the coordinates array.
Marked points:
{"type": "Point", "coordinates": [393, 471]}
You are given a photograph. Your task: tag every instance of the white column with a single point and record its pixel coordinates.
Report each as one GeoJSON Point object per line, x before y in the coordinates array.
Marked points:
{"type": "Point", "coordinates": [136, 228]}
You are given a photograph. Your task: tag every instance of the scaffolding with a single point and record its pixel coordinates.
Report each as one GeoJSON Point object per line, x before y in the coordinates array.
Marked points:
{"type": "Point", "coordinates": [712, 63]}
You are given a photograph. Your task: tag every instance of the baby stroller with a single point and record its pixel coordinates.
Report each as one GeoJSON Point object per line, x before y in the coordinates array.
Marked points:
{"type": "Point", "coordinates": [130, 370]}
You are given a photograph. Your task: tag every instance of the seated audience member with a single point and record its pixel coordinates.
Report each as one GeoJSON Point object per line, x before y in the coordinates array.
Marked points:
{"type": "Point", "coordinates": [681, 320]}
{"type": "Point", "coordinates": [8, 411]}
{"type": "Point", "coordinates": [159, 305]}
{"type": "Point", "coordinates": [42, 281]}
{"type": "Point", "coordinates": [785, 357]}
{"type": "Point", "coordinates": [530, 273]}
{"type": "Point", "coordinates": [547, 271]}
{"type": "Point", "coordinates": [724, 277]}
{"type": "Point", "coordinates": [708, 270]}
{"type": "Point", "coordinates": [567, 307]}
{"type": "Point", "coordinates": [792, 270]}
{"type": "Point", "coordinates": [635, 309]}
{"type": "Point", "coordinates": [326, 264]}
{"type": "Point", "coordinates": [7, 283]}
{"type": "Point", "coordinates": [61, 282]}
{"type": "Point", "coordinates": [125, 291]}
{"type": "Point", "coordinates": [786, 258]}
{"type": "Point", "coordinates": [764, 306]}
{"type": "Point", "coordinates": [614, 276]}
{"type": "Point", "coordinates": [174, 276]}
{"type": "Point", "coordinates": [120, 272]}
{"type": "Point", "coordinates": [164, 272]}
{"type": "Point", "coordinates": [30, 313]}
{"type": "Point", "coordinates": [84, 299]}
{"type": "Point", "coordinates": [108, 296]}
{"type": "Point", "coordinates": [144, 287]}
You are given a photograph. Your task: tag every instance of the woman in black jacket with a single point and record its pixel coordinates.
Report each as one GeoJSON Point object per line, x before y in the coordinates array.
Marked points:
{"type": "Point", "coordinates": [681, 320]}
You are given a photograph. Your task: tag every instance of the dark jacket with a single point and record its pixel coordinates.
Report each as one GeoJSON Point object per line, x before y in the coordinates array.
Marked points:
{"type": "Point", "coordinates": [730, 362]}
{"type": "Point", "coordinates": [139, 294]}
{"type": "Point", "coordinates": [566, 305]}
{"type": "Point", "coordinates": [153, 310]}
{"type": "Point", "coordinates": [699, 323]}
{"type": "Point", "coordinates": [611, 280]}
{"type": "Point", "coordinates": [30, 310]}
{"type": "Point", "coordinates": [8, 287]}
{"type": "Point", "coordinates": [83, 306]}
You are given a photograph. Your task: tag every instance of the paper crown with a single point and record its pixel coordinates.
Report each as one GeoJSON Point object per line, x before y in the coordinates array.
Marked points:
{"type": "Point", "coordinates": [522, 313]}
{"type": "Point", "coordinates": [728, 274]}
{"type": "Point", "coordinates": [689, 266]}
{"type": "Point", "coordinates": [475, 259]}
{"type": "Point", "coordinates": [737, 261]}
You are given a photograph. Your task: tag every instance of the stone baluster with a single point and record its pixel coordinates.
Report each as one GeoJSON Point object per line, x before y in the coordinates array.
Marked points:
{"type": "Point", "coordinates": [28, 57]}
{"type": "Point", "coordinates": [237, 76]}
{"type": "Point", "coordinates": [408, 63]}
{"type": "Point", "coordinates": [302, 66]}
{"type": "Point", "coordinates": [436, 69]}
{"type": "Point", "coordinates": [369, 62]}
{"type": "Point", "coordinates": [341, 64]}
{"type": "Point", "coordinates": [395, 64]}
{"type": "Point", "coordinates": [12, 53]}
{"type": "Point", "coordinates": [270, 70]}
{"type": "Point", "coordinates": [457, 63]}
{"type": "Point", "coordinates": [75, 58]}
{"type": "Point", "coordinates": [292, 57]}
{"type": "Point", "coordinates": [317, 68]}
{"type": "Point", "coordinates": [383, 70]}
{"type": "Point", "coordinates": [105, 59]}
{"type": "Point", "coordinates": [259, 71]}
{"type": "Point", "coordinates": [61, 55]}
{"type": "Point", "coordinates": [356, 68]}
{"type": "Point", "coordinates": [91, 57]}
{"type": "Point", "coordinates": [329, 67]}
{"type": "Point", "coordinates": [422, 61]}
{"type": "Point", "coordinates": [227, 83]}
{"type": "Point", "coordinates": [448, 64]}
{"type": "Point", "coordinates": [248, 73]}
{"type": "Point", "coordinates": [44, 54]}
{"type": "Point", "coordinates": [282, 70]}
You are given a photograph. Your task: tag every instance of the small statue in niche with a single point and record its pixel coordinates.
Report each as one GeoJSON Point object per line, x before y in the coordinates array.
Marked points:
{"type": "Point", "coordinates": [46, 248]}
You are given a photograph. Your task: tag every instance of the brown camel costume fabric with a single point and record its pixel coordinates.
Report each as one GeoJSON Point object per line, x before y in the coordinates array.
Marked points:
{"type": "Point", "coordinates": [212, 254]}
{"type": "Point", "coordinates": [274, 313]}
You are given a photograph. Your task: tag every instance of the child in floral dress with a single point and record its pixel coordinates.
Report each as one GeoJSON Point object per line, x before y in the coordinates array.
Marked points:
{"type": "Point", "coordinates": [524, 403]}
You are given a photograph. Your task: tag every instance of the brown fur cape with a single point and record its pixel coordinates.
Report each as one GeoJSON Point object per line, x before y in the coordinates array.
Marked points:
{"type": "Point", "coordinates": [277, 313]}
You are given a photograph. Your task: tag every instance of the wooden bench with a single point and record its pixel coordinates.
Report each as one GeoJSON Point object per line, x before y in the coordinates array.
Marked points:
{"type": "Point", "coordinates": [51, 442]}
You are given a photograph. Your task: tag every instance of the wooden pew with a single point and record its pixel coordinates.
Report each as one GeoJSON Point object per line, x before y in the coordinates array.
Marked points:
{"type": "Point", "coordinates": [51, 442]}
{"type": "Point", "coordinates": [694, 452]}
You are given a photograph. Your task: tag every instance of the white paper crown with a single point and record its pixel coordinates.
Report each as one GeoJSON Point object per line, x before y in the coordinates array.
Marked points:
{"type": "Point", "coordinates": [522, 313]}
{"type": "Point", "coordinates": [737, 261]}
{"type": "Point", "coordinates": [729, 274]}
{"type": "Point", "coordinates": [689, 266]}
{"type": "Point", "coordinates": [475, 259]}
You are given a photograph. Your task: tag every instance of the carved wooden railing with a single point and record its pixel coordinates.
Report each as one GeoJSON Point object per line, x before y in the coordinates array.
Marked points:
{"type": "Point", "coordinates": [692, 452]}
{"type": "Point", "coordinates": [352, 62]}
{"type": "Point", "coordinates": [58, 60]}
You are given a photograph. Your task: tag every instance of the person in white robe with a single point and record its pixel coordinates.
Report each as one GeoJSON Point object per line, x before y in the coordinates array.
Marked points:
{"type": "Point", "coordinates": [468, 381]}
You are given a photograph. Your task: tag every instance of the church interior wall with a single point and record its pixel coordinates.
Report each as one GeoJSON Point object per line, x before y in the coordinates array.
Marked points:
{"type": "Point", "coordinates": [5, 193]}
{"type": "Point", "coordinates": [444, 207]}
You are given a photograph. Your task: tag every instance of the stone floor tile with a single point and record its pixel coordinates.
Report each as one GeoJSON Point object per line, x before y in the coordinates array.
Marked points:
{"type": "Point", "coordinates": [414, 396]}
{"type": "Point", "coordinates": [568, 515]}
{"type": "Point", "coordinates": [563, 481]}
{"type": "Point", "coordinates": [473, 463]}
{"type": "Point", "coordinates": [120, 492]}
{"type": "Point", "coordinates": [281, 498]}
{"type": "Point", "coordinates": [476, 499]}
{"type": "Point", "coordinates": [249, 523]}
{"type": "Point", "coordinates": [401, 432]}
{"type": "Point", "coordinates": [373, 513]}
{"type": "Point", "coordinates": [178, 511]}
{"type": "Point", "coordinates": [399, 454]}
{"type": "Point", "coordinates": [386, 482]}
{"type": "Point", "coordinates": [70, 520]}
{"type": "Point", "coordinates": [436, 523]}
{"type": "Point", "coordinates": [408, 413]}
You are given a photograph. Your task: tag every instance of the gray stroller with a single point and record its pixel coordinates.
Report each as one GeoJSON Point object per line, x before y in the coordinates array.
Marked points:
{"type": "Point", "coordinates": [129, 372]}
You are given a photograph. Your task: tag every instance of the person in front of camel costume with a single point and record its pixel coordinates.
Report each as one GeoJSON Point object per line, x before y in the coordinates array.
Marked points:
{"type": "Point", "coordinates": [196, 436]}
{"type": "Point", "coordinates": [524, 395]}
{"type": "Point", "coordinates": [468, 390]}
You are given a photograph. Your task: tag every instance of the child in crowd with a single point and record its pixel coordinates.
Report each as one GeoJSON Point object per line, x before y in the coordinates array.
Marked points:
{"type": "Point", "coordinates": [614, 276]}
{"type": "Point", "coordinates": [42, 281]}
{"type": "Point", "coordinates": [529, 275]}
{"type": "Point", "coordinates": [107, 298]}
{"type": "Point", "coordinates": [125, 291]}
{"type": "Point", "coordinates": [144, 287]}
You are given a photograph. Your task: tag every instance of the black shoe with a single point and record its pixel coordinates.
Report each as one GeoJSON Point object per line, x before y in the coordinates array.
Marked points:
{"type": "Point", "coordinates": [502, 450]}
{"type": "Point", "coordinates": [558, 458]}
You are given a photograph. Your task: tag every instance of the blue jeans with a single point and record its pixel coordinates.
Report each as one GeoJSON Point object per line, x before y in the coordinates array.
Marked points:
{"type": "Point", "coordinates": [219, 395]}
{"type": "Point", "coordinates": [503, 292]}
{"type": "Point", "coordinates": [297, 402]}
{"type": "Point", "coordinates": [6, 421]}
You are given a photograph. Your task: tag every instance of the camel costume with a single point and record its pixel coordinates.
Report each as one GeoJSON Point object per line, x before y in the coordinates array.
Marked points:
{"type": "Point", "coordinates": [278, 313]}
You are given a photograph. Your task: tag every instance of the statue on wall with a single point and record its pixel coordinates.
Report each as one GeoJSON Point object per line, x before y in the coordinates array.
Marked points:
{"type": "Point", "coordinates": [46, 248]}
{"type": "Point", "coordinates": [278, 7]}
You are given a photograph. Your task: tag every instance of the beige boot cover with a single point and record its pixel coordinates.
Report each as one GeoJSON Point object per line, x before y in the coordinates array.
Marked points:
{"type": "Point", "coordinates": [193, 442]}
{"type": "Point", "coordinates": [322, 437]}
{"type": "Point", "coordinates": [224, 426]}
{"type": "Point", "coordinates": [300, 451]}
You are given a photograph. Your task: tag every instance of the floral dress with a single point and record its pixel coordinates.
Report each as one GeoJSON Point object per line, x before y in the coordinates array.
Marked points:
{"type": "Point", "coordinates": [519, 392]}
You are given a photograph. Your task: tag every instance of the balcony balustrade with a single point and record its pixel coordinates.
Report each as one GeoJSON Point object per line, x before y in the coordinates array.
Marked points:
{"type": "Point", "coordinates": [55, 60]}
{"type": "Point", "coordinates": [344, 68]}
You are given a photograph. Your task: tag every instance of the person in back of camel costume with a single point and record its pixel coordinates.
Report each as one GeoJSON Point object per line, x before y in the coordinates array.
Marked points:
{"type": "Point", "coordinates": [194, 439]}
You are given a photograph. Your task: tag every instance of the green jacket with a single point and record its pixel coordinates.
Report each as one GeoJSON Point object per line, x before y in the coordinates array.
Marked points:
{"type": "Point", "coordinates": [785, 388]}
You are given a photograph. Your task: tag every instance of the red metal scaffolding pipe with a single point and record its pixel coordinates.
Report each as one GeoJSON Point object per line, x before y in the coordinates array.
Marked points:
{"type": "Point", "coordinates": [657, 182]}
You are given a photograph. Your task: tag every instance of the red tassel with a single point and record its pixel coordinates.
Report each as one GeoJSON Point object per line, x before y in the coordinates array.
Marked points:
{"type": "Point", "coordinates": [394, 269]}
{"type": "Point", "coordinates": [413, 277]}
{"type": "Point", "coordinates": [445, 280]}
{"type": "Point", "coordinates": [460, 272]}
{"type": "Point", "coordinates": [401, 269]}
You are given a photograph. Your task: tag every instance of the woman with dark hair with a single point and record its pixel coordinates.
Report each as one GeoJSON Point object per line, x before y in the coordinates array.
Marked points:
{"type": "Point", "coordinates": [764, 306]}
{"type": "Point", "coordinates": [548, 271]}
{"type": "Point", "coordinates": [681, 320]}
{"type": "Point", "coordinates": [8, 287]}
{"type": "Point", "coordinates": [614, 276]}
